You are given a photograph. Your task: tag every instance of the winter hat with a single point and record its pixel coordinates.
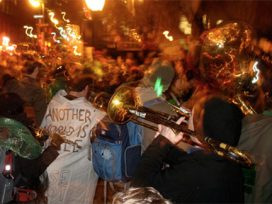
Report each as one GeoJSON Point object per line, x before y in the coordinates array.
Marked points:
{"type": "Point", "coordinates": [222, 121]}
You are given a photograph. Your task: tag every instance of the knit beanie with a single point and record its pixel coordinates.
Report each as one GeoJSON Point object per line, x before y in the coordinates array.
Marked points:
{"type": "Point", "coordinates": [222, 121]}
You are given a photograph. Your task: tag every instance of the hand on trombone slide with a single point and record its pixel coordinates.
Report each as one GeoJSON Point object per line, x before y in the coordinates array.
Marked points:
{"type": "Point", "coordinates": [169, 133]}
{"type": "Point", "coordinates": [174, 136]}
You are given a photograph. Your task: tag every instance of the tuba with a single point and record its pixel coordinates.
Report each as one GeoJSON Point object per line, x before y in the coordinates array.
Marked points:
{"type": "Point", "coordinates": [124, 105]}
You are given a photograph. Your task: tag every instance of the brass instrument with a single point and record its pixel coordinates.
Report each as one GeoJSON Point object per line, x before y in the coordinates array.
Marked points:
{"type": "Point", "coordinates": [42, 133]}
{"type": "Point", "coordinates": [245, 107]}
{"type": "Point", "coordinates": [124, 105]}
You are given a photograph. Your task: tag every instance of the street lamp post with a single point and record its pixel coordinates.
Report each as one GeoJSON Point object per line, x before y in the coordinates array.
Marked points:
{"type": "Point", "coordinates": [41, 22]}
{"type": "Point", "coordinates": [95, 6]}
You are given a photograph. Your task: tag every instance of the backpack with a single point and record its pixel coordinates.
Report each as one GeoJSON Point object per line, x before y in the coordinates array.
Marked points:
{"type": "Point", "coordinates": [116, 150]}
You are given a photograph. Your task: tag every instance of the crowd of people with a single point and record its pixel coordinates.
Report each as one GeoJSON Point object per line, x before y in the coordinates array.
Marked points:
{"type": "Point", "coordinates": [55, 93]}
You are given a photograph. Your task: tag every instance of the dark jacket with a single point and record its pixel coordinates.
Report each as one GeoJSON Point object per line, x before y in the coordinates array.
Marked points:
{"type": "Point", "coordinates": [31, 92]}
{"type": "Point", "coordinates": [28, 171]}
{"type": "Point", "coordinates": [199, 177]}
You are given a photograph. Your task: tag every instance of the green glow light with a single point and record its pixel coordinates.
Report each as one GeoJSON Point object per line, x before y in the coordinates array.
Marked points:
{"type": "Point", "coordinates": [158, 87]}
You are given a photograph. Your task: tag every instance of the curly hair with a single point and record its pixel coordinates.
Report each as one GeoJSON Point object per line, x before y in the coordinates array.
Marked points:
{"type": "Point", "coordinates": [140, 195]}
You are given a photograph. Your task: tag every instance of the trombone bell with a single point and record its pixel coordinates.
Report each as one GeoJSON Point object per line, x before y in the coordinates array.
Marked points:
{"type": "Point", "coordinates": [118, 106]}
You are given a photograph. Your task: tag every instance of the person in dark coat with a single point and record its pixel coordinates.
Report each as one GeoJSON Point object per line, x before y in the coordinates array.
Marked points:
{"type": "Point", "coordinates": [30, 90]}
{"type": "Point", "coordinates": [25, 172]}
{"type": "Point", "coordinates": [201, 176]}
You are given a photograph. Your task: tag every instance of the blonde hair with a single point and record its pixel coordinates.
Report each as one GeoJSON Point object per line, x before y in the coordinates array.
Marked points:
{"type": "Point", "coordinates": [140, 195]}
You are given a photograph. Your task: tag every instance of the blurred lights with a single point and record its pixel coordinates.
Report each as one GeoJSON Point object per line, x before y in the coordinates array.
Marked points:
{"type": "Point", "coordinates": [95, 5]}
{"type": "Point", "coordinates": [257, 71]}
{"type": "Point", "coordinates": [220, 44]}
{"type": "Point", "coordinates": [116, 102]}
{"type": "Point", "coordinates": [76, 53]}
{"type": "Point", "coordinates": [63, 17]}
{"type": "Point", "coordinates": [54, 37]}
{"type": "Point", "coordinates": [166, 34]}
{"type": "Point", "coordinates": [219, 21]}
{"type": "Point", "coordinates": [63, 33]}
{"type": "Point", "coordinates": [204, 19]}
{"type": "Point", "coordinates": [11, 48]}
{"type": "Point", "coordinates": [5, 41]}
{"type": "Point", "coordinates": [48, 44]}
{"type": "Point", "coordinates": [72, 33]}
{"type": "Point", "coordinates": [52, 19]}
{"type": "Point", "coordinates": [131, 33]}
{"type": "Point", "coordinates": [185, 26]}
{"type": "Point", "coordinates": [28, 31]}
{"type": "Point", "coordinates": [7, 167]}
{"type": "Point", "coordinates": [206, 22]}
{"type": "Point", "coordinates": [35, 3]}
{"type": "Point", "coordinates": [67, 32]}
{"type": "Point", "coordinates": [38, 16]}
{"type": "Point", "coordinates": [5, 46]}
{"type": "Point", "coordinates": [158, 87]}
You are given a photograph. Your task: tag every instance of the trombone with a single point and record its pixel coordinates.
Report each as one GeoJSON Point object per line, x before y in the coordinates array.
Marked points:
{"type": "Point", "coordinates": [124, 105]}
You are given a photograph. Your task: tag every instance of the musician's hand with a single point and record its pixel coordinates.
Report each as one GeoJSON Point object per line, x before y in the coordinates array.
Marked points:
{"type": "Point", "coordinates": [170, 134]}
{"type": "Point", "coordinates": [56, 140]}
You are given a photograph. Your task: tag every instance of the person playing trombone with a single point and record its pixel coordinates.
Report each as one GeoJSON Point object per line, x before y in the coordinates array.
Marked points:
{"type": "Point", "coordinates": [200, 176]}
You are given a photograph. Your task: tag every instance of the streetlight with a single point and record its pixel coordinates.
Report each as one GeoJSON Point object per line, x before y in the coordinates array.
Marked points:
{"type": "Point", "coordinates": [35, 3]}
{"type": "Point", "coordinates": [95, 5]}
{"type": "Point", "coordinates": [40, 24]}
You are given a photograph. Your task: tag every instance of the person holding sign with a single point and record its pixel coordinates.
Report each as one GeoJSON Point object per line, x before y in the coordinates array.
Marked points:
{"type": "Point", "coordinates": [71, 176]}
